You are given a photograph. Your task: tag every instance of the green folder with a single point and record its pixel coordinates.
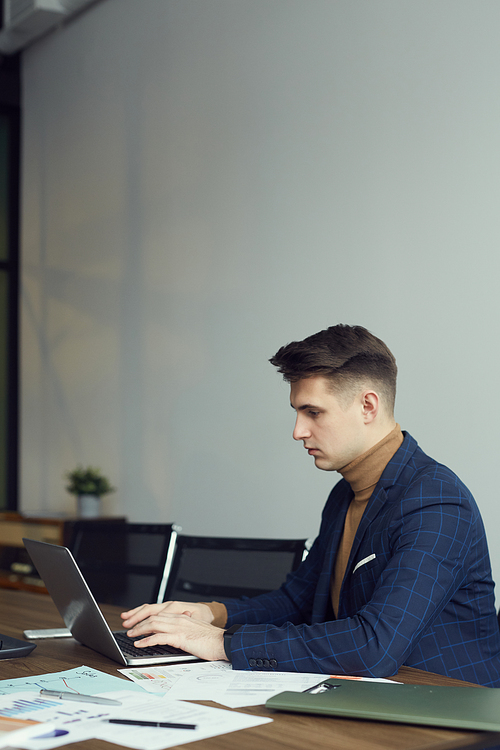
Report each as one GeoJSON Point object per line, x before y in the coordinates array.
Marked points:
{"type": "Point", "coordinates": [458, 707]}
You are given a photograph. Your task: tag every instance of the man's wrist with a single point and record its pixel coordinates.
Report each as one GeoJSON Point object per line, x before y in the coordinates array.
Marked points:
{"type": "Point", "coordinates": [219, 613]}
{"type": "Point", "coordinates": [228, 635]}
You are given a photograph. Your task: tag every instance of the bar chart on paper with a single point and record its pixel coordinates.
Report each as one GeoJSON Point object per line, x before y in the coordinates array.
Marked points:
{"type": "Point", "coordinates": [19, 706]}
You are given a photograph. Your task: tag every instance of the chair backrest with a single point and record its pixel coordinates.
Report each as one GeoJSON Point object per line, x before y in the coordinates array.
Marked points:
{"type": "Point", "coordinates": [219, 568]}
{"type": "Point", "coordinates": [126, 564]}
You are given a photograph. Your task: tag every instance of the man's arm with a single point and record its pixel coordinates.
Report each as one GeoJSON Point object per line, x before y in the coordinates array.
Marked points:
{"type": "Point", "coordinates": [187, 623]}
{"type": "Point", "coordinates": [291, 603]}
{"type": "Point", "coordinates": [190, 624]}
{"type": "Point", "coordinates": [424, 547]}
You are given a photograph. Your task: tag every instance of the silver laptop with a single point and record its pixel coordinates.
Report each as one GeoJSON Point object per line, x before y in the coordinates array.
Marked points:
{"type": "Point", "coordinates": [66, 585]}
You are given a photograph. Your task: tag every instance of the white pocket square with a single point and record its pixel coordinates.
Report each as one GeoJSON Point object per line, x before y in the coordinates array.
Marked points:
{"type": "Point", "coordinates": [363, 562]}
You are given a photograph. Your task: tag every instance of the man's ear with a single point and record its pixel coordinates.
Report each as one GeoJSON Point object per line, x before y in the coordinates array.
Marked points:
{"type": "Point", "coordinates": [370, 403]}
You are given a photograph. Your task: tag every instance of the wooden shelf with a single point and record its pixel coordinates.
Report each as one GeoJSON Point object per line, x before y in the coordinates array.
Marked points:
{"type": "Point", "coordinates": [14, 581]}
{"type": "Point", "coordinates": [13, 555]}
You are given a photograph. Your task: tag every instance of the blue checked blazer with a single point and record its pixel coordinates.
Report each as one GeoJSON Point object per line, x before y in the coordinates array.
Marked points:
{"type": "Point", "coordinates": [417, 590]}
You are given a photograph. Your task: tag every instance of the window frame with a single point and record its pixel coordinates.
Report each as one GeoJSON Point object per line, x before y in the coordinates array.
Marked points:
{"type": "Point", "coordinates": [10, 266]}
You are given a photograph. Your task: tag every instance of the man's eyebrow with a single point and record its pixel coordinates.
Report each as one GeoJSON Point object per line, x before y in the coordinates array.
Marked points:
{"type": "Point", "coordinates": [303, 407]}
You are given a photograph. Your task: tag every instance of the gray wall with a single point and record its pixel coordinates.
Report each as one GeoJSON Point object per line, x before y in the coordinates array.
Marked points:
{"type": "Point", "coordinates": [206, 180]}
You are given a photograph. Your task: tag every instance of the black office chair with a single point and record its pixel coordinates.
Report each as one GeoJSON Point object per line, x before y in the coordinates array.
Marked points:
{"type": "Point", "coordinates": [219, 568]}
{"type": "Point", "coordinates": [126, 564]}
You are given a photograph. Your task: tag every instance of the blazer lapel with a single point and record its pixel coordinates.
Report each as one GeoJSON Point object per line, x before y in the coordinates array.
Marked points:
{"type": "Point", "coordinates": [322, 607]}
{"type": "Point", "coordinates": [390, 475]}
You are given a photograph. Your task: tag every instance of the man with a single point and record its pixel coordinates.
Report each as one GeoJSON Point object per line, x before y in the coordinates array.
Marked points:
{"type": "Point", "coordinates": [400, 571]}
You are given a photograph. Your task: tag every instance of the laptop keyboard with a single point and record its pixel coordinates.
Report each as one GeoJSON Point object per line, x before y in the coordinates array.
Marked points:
{"type": "Point", "coordinates": [127, 646]}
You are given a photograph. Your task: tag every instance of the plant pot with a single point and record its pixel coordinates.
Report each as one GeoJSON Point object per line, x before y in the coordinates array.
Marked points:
{"type": "Point", "coordinates": [88, 506]}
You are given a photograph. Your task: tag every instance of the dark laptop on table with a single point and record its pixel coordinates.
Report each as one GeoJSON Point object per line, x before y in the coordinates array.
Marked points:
{"type": "Point", "coordinates": [66, 585]}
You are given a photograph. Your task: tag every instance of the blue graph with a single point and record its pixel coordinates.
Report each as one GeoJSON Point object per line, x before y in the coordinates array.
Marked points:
{"type": "Point", "coordinates": [78, 680]}
{"type": "Point", "coordinates": [21, 706]}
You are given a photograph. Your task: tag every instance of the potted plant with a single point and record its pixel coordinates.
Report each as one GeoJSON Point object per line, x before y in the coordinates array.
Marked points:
{"type": "Point", "coordinates": [89, 485]}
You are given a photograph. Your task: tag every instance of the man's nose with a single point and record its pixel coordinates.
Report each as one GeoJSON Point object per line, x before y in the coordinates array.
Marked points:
{"type": "Point", "coordinates": [300, 431]}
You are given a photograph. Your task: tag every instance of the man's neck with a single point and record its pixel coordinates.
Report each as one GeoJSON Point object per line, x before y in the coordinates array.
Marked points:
{"type": "Point", "coordinates": [364, 471]}
{"type": "Point", "coordinates": [376, 432]}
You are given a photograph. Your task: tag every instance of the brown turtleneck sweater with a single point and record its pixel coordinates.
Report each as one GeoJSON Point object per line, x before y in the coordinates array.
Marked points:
{"type": "Point", "coordinates": [362, 474]}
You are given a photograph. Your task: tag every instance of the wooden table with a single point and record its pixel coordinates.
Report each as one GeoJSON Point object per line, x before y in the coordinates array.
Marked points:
{"type": "Point", "coordinates": [20, 610]}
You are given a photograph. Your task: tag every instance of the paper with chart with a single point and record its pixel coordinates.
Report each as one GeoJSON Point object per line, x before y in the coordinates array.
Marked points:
{"type": "Point", "coordinates": [183, 681]}
{"type": "Point", "coordinates": [79, 680]}
{"type": "Point", "coordinates": [218, 682]}
{"type": "Point", "coordinates": [68, 721]}
{"type": "Point", "coordinates": [73, 722]}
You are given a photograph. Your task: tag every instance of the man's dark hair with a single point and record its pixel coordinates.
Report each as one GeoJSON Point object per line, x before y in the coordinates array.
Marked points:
{"type": "Point", "coordinates": [350, 357]}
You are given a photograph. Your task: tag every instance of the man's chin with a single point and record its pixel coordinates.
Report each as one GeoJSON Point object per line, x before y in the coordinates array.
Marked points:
{"type": "Point", "coordinates": [323, 464]}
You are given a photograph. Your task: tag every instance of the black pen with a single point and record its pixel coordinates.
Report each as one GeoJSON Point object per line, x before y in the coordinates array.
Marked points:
{"type": "Point", "coordinates": [163, 724]}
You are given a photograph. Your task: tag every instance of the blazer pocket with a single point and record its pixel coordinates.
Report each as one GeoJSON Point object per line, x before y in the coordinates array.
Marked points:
{"type": "Point", "coordinates": [363, 562]}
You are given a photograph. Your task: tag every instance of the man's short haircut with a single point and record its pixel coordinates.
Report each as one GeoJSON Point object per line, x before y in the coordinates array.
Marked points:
{"type": "Point", "coordinates": [350, 357]}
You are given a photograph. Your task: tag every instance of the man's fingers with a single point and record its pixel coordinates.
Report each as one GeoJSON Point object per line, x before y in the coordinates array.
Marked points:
{"type": "Point", "coordinates": [139, 613]}
{"type": "Point", "coordinates": [131, 612]}
{"type": "Point", "coordinates": [161, 629]}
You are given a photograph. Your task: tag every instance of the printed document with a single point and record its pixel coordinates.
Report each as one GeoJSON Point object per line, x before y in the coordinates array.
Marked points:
{"type": "Point", "coordinates": [218, 682]}
{"type": "Point", "coordinates": [71, 721]}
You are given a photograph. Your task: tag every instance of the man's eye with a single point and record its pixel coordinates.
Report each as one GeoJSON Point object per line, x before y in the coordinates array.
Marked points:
{"type": "Point", "coordinates": [313, 413]}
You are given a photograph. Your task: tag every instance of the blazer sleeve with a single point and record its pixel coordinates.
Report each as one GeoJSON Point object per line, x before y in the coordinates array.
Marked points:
{"type": "Point", "coordinates": [294, 601]}
{"type": "Point", "coordinates": [423, 543]}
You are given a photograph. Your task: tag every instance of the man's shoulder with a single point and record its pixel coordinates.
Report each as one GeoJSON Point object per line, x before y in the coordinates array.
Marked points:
{"type": "Point", "coordinates": [411, 466]}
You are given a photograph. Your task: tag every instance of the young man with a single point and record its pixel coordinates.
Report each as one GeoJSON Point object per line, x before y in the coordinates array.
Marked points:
{"type": "Point", "coordinates": [400, 571]}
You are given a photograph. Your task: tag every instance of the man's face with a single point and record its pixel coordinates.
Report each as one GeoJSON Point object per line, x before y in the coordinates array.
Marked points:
{"type": "Point", "coordinates": [332, 433]}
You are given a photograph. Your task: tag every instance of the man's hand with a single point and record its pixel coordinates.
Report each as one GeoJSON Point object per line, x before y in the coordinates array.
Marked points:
{"type": "Point", "coordinates": [197, 610]}
{"type": "Point", "coordinates": [178, 624]}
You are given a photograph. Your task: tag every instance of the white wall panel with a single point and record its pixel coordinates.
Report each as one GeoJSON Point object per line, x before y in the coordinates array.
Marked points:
{"type": "Point", "coordinates": [205, 180]}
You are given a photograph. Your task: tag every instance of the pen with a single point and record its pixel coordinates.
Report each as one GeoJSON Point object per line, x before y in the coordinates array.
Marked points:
{"type": "Point", "coordinates": [79, 697]}
{"type": "Point", "coordinates": [164, 724]}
